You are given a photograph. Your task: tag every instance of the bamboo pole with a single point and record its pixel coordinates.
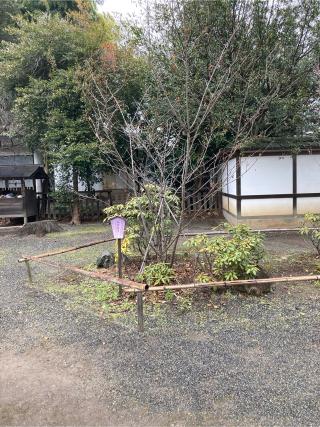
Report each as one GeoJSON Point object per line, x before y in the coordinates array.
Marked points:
{"type": "Point", "coordinates": [227, 283]}
{"type": "Point", "coordinates": [101, 276]}
{"type": "Point", "coordinates": [62, 251]}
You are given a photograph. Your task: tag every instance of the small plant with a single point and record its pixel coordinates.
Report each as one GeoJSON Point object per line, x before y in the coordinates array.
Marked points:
{"type": "Point", "coordinates": [150, 223]}
{"type": "Point", "coordinates": [169, 295]}
{"type": "Point", "coordinates": [231, 257]}
{"type": "Point", "coordinates": [311, 229]}
{"type": "Point", "coordinates": [185, 302]}
{"type": "Point", "coordinates": [317, 284]}
{"type": "Point", "coordinates": [159, 274]}
{"type": "Point", "coordinates": [203, 278]}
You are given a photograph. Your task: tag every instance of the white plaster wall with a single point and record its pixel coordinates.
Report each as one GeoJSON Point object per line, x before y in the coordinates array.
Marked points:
{"type": "Point", "coordinates": [308, 173]}
{"type": "Point", "coordinates": [224, 178]}
{"type": "Point", "coordinates": [257, 207]}
{"type": "Point", "coordinates": [38, 186]}
{"type": "Point", "coordinates": [28, 183]}
{"type": "Point", "coordinates": [37, 158]}
{"type": "Point", "coordinates": [232, 185]}
{"type": "Point", "coordinates": [225, 203]}
{"type": "Point", "coordinates": [14, 183]}
{"type": "Point", "coordinates": [308, 204]}
{"type": "Point", "coordinates": [233, 206]}
{"type": "Point", "coordinates": [266, 175]}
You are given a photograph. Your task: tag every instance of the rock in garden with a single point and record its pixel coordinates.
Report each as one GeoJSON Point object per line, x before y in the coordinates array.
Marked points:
{"type": "Point", "coordinates": [40, 228]}
{"type": "Point", "coordinates": [106, 260]}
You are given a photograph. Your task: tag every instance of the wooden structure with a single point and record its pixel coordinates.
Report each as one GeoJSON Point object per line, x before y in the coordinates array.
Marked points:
{"type": "Point", "coordinates": [23, 201]}
{"type": "Point", "coordinates": [272, 184]}
{"type": "Point", "coordinates": [122, 283]}
{"type": "Point", "coordinates": [137, 289]}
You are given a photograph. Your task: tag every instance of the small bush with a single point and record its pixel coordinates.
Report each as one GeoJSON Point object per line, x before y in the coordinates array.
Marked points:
{"type": "Point", "coordinates": [203, 278]}
{"type": "Point", "coordinates": [231, 257]}
{"type": "Point", "coordinates": [169, 295]}
{"type": "Point", "coordinates": [159, 274]}
{"type": "Point", "coordinates": [150, 223]}
{"type": "Point", "coordinates": [311, 229]}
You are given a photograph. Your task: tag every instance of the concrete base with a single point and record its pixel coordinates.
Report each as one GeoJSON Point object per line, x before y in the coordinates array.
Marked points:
{"type": "Point", "coordinates": [261, 223]}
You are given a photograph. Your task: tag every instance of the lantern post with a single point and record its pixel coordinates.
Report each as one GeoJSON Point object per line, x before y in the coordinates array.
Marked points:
{"type": "Point", "coordinates": [118, 225]}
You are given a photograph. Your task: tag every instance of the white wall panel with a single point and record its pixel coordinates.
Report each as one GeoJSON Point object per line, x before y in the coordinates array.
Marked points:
{"type": "Point", "coordinates": [308, 173]}
{"type": "Point", "coordinates": [266, 175]}
{"type": "Point", "coordinates": [225, 203]}
{"type": "Point", "coordinates": [232, 184]}
{"type": "Point", "coordinates": [257, 207]}
{"type": "Point", "coordinates": [224, 178]}
{"type": "Point", "coordinates": [308, 204]}
{"type": "Point", "coordinates": [233, 206]}
{"type": "Point", "coordinates": [28, 182]}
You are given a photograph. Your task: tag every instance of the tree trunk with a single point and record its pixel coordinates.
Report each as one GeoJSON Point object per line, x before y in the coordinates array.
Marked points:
{"type": "Point", "coordinates": [75, 220]}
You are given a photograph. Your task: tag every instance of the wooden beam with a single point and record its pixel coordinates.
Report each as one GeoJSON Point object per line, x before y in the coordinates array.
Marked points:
{"type": "Point", "coordinates": [229, 283]}
{"type": "Point", "coordinates": [95, 275]}
{"type": "Point", "coordinates": [62, 251]}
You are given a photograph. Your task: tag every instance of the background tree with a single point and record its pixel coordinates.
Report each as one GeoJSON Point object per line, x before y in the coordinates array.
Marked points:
{"type": "Point", "coordinates": [39, 68]}
{"type": "Point", "coordinates": [222, 74]}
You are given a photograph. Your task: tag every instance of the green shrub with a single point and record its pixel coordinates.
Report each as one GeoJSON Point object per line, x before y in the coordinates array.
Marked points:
{"type": "Point", "coordinates": [231, 257]}
{"type": "Point", "coordinates": [311, 229]}
{"type": "Point", "coordinates": [169, 295]}
{"type": "Point", "coordinates": [159, 274]}
{"type": "Point", "coordinates": [203, 278]}
{"type": "Point", "coordinates": [149, 221]}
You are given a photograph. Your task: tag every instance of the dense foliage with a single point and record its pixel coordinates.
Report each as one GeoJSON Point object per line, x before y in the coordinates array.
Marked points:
{"type": "Point", "coordinates": [263, 55]}
{"type": "Point", "coordinates": [46, 46]}
{"type": "Point", "coordinates": [159, 274]}
{"type": "Point", "coordinates": [150, 221]}
{"type": "Point", "coordinates": [311, 229]}
{"type": "Point", "coordinates": [194, 78]}
{"type": "Point", "coordinates": [231, 257]}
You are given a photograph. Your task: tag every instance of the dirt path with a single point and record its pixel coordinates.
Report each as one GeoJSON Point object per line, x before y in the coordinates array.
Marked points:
{"type": "Point", "coordinates": [254, 362]}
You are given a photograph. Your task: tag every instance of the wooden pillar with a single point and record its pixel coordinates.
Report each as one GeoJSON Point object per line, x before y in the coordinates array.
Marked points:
{"type": "Point", "coordinates": [294, 184]}
{"type": "Point", "coordinates": [23, 193]}
{"type": "Point", "coordinates": [140, 311]}
{"type": "Point", "coordinates": [119, 264]}
{"type": "Point", "coordinates": [238, 184]}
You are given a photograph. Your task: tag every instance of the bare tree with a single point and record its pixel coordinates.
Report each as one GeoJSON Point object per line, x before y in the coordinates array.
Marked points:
{"type": "Point", "coordinates": [167, 141]}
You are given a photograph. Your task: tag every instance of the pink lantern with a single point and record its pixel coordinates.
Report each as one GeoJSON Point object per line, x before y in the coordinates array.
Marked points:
{"type": "Point", "coordinates": [118, 225]}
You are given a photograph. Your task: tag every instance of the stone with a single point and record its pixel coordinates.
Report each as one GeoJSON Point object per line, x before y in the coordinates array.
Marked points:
{"type": "Point", "coordinates": [40, 228]}
{"type": "Point", "coordinates": [105, 260]}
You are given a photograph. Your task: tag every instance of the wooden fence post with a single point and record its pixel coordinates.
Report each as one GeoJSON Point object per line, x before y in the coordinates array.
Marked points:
{"type": "Point", "coordinates": [140, 311]}
{"type": "Point", "coordinates": [119, 264]}
{"type": "Point", "coordinates": [29, 271]}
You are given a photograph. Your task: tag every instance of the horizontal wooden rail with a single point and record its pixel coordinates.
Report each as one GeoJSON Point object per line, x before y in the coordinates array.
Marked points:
{"type": "Point", "coordinates": [228, 283]}
{"type": "Point", "coordinates": [95, 275]}
{"type": "Point", "coordinates": [63, 251]}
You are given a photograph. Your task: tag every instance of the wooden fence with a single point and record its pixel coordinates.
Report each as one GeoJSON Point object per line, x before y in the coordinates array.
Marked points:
{"type": "Point", "coordinates": [92, 208]}
{"type": "Point", "coordinates": [201, 202]}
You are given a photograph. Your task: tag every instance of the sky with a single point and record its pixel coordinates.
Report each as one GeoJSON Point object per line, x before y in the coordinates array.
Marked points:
{"type": "Point", "coordinates": [123, 7]}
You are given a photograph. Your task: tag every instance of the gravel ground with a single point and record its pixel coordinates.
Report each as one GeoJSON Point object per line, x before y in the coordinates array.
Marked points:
{"type": "Point", "coordinates": [254, 362]}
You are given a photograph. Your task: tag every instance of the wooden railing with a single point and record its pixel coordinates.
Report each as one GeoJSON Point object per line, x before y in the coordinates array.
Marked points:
{"type": "Point", "coordinates": [92, 208]}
